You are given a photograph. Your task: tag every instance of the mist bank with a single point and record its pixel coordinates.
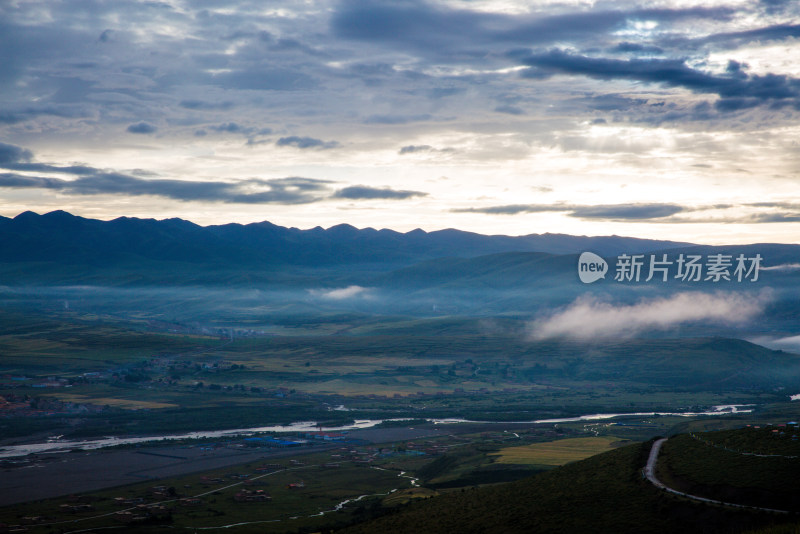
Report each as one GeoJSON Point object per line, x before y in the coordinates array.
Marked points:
{"type": "Point", "coordinates": [540, 312]}
{"type": "Point", "coordinates": [591, 318]}
{"type": "Point", "coordinates": [262, 274]}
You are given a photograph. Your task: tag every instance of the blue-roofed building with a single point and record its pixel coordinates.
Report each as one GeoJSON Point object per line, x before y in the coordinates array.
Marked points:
{"type": "Point", "coordinates": [272, 442]}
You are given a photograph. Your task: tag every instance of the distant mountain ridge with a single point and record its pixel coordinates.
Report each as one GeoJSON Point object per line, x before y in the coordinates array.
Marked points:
{"type": "Point", "coordinates": [61, 237]}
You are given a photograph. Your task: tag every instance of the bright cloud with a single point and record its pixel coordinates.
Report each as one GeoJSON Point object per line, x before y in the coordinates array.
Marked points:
{"type": "Point", "coordinates": [788, 343]}
{"type": "Point", "coordinates": [588, 318]}
{"type": "Point", "coordinates": [343, 293]}
{"type": "Point", "coordinates": [783, 267]}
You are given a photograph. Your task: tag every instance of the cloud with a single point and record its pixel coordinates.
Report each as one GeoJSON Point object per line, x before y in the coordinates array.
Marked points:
{"type": "Point", "coordinates": [234, 128]}
{"type": "Point", "coordinates": [613, 102]}
{"type": "Point", "coordinates": [410, 149]}
{"type": "Point", "coordinates": [397, 119]}
{"type": "Point", "coordinates": [413, 149]}
{"type": "Point", "coordinates": [514, 209]}
{"type": "Point", "coordinates": [736, 89]}
{"type": "Point", "coordinates": [17, 158]}
{"type": "Point", "coordinates": [777, 32]}
{"type": "Point", "coordinates": [92, 181]}
{"type": "Point", "coordinates": [228, 127]}
{"type": "Point", "coordinates": [341, 293]}
{"type": "Point", "coordinates": [790, 212]}
{"type": "Point", "coordinates": [417, 24]}
{"type": "Point", "coordinates": [293, 190]}
{"type": "Point", "coordinates": [627, 47]}
{"type": "Point", "coordinates": [358, 192]}
{"type": "Point", "coordinates": [203, 105]}
{"type": "Point", "coordinates": [69, 110]}
{"type": "Point", "coordinates": [264, 78]}
{"type": "Point", "coordinates": [589, 318]}
{"type": "Point", "coordinates": [789, 343]}
{"type": "Point", "coordinates": [305, 142]}
{"type": "Point", "coordinates": [615, 212]}
{"type": "Point", "coordinates": [437, 30]}
{"type": "Point", "coordinates": [627, 211]}
{"type": "Point", "coordinates": [141, 128]}
{"type": "Point", "coordinates": [510, 110]}
{"type": "Point", "coordinates": [783, 267]}
{"type": "Point", "coordinates": [11, 154]}
{"type": "Point", "coordinates": [775, 218]}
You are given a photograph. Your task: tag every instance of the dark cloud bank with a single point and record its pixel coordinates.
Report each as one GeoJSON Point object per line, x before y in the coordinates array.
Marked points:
{"type": "Point", "coordinates": [93, 181]}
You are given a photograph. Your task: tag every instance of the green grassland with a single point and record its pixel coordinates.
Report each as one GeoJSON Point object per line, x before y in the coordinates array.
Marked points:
{"type": "Point", "coordinates": [408, 495]}
{"type": "Point", "coordinates": [323, 488]}
{"type": "Point", "coordinates": [68, 345]}
{"type": "Point", "coordinates": [604, 493]}
{"type": "Point", "coordinates": [768, 439]}
{"type": "Point", "coordinates": [699, 466]}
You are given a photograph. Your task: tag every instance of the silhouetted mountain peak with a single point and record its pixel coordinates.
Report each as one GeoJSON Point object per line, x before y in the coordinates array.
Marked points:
{"type": "Point", "coordinates": [60, 214]}
{"type": "Point", "coordinates": [27, 216]}
{"type": "Point", "coordinates": [343, 229]}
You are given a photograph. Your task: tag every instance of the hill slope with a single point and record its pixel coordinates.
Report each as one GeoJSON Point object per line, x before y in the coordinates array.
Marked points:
{"type": "Point", "coordinates": [605, 493]}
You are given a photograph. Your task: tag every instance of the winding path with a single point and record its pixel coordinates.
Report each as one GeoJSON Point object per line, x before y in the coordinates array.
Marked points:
{"type": "Point", "coordinates": [650, 473]}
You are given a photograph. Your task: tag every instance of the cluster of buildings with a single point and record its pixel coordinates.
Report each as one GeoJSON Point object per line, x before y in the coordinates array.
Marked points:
{"type": "Point", "coordinates": [12, 405]}
{"type": "Point", "coordinates": [247, 495]}
{"type": "Point", "coordinates": [273, 442]}
{"type": "Point", "coordinates": [325, 436]}
{"type": "Point", "coordinates": [143, 513]}
{"type": "Point", "coordinates": [19, 381]}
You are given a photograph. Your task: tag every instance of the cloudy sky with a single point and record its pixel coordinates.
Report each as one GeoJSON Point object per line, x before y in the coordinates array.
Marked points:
{"type": "Point", "coordinates": [667, 119]}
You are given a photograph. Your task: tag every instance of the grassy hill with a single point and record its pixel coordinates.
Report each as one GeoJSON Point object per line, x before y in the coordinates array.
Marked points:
{"type": "Point", "coordinates": [753, 467]}
{"type": "Point", "coordinates": [604, 493]}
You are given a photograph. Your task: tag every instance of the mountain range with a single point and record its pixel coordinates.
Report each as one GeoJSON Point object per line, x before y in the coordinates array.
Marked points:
{"type": "Point", "coordinates": [61, 237]}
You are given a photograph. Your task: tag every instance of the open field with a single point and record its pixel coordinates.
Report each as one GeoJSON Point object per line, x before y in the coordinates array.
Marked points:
{"type": "Point", "coordinates": [407, 495]}
{"type": "Point", "coordinates": [319, 489]}
{"type": "Point", "coordinates": [118, 402]}
{"type": "Point", "coordinates": [558, 452]}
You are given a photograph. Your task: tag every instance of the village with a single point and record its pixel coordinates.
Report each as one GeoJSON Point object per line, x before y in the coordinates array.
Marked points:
{"type": "Point", "coordinates": [311, 465]}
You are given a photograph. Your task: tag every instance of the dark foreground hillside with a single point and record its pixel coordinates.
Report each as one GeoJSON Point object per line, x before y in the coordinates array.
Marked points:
{"type": "Point", "coordinates": [605, 493]}
{"type": "Point", "coordinates": [753, 466]}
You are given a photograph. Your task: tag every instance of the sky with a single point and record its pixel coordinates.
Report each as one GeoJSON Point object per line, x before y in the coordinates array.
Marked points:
{"type": "Point", "coordinates": [658, 119]}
